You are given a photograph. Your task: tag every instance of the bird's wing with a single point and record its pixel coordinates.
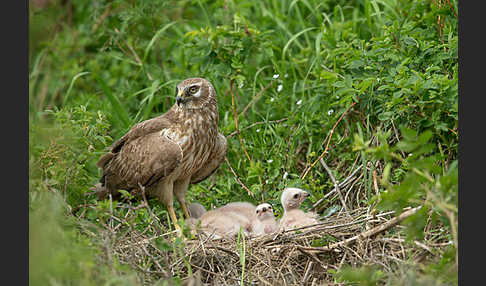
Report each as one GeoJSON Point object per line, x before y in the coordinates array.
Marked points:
{"type": "Point", "coordinates": [143, 128]}
{"type": "Point", "coordinates": [145, 160]}
{"type": "Point", "coordinates": [137, 131]}
{"type": "Point", "coordinates": [216, 158]}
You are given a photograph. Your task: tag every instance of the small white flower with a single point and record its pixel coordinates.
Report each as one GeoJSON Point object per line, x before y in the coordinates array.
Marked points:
{"type": "Point", "coordinates": [451, 242]}
{"type": "Point", "coordinates": [269, 161]}
{"type": "Point", "coordinates": [286, 75]}
{"type": "Point", "coordinates": [266, 181]}
{"type": "Point", "coordinates": [258, 130]}
{"type": "Point", "coordinates": [272, 99]}
{"type": "Point", "coordinates": [299, 102]}
{"type": "Point", "coordinates": [330, 112]}
{"type": "Point", "coordinates": [275, 76]}
{"type": "Point", "coordinates": [241, 84]}
{"type": "Point", "coordinates": [279, 87]}
{"type": "Point", "coordinates": [410, 154]}
{"type": "Point", "coordinates": [285, 175]}
{"type": "Point", "coordinates": [337, 96]}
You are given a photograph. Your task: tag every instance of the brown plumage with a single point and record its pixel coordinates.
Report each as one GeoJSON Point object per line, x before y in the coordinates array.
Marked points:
{"type": "Point", "coordinates": [294, 217]}
{"type": "Point", "coordinates": [167, 153]}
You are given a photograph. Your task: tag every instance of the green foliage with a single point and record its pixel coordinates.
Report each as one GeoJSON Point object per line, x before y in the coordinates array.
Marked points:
{"type": "Point", "coordinates": [425, 182]}
{"type": "Point", "coordinates": [61, 155]}
{"type": "Point", "coordinates": [97, 68]}
{"type": "Point", "coordinates": [366, 275]}
{"type": "Point", "coordinates": [60, 255]}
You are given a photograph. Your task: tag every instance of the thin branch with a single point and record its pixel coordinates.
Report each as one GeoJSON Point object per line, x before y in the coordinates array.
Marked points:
{"type": "Point", "coordinates": [382, 227]}
{"type": "Point", "coordinates": [137, 58]}
{"type": "Point", "coordinates": [254, 99]}
{"type": "Point", "coordinates": [328, 141]}
{"type": "Point", "coordinates": [142, 188]}
{"type": "Point", "coordinates": [336, 185]}
{"type": "Point", "coordinates": [233, 103]}
{"type": "Point", "coordinates": [342, 184]}
{"type": "Point", "coordinates": [452, 8]}
{"type": "Point", "coordinates": [255, 124]}
{"type": "Point", "coordinates": [238, 179]}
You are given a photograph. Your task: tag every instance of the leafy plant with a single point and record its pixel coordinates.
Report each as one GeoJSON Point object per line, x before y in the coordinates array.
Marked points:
{"type": "Point", "coordinates": [292, 78]}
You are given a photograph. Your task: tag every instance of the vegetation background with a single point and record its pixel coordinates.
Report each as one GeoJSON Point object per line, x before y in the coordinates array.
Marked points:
{"type": "Point", "coordinates": [372, 82]}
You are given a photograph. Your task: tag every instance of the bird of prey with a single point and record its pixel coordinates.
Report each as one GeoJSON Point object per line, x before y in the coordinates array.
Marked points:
{"type": "Point", "coordinates": [165, 154]}
{"type": "Point", "coordinates": [265, 222]}
{"type": "Point", "coordinates": [294, 217]}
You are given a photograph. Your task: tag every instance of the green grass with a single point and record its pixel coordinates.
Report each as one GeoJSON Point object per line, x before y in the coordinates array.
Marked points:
{"type": "Point", "coordinates": [103, 66]}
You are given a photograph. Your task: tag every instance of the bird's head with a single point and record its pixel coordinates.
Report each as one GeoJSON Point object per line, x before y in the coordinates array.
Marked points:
{"type": "Point", "coordinates": [194, 93]}
{"type": "Point", "coordinates": [264, 211]}
{"type": "Point", "coordinates": [292, 198]}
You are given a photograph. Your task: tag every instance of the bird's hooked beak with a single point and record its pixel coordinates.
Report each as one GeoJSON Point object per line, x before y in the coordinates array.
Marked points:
{"type": "Point", "coordinates": [304, 196]}
{"type": "Point", "coordinates": [179, 98]}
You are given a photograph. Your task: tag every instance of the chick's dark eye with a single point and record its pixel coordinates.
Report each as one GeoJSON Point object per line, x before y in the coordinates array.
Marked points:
{"type": "Point", "coordinates": [296, 196]}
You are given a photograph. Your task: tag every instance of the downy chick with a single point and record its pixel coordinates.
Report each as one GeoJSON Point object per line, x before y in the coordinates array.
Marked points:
{"type": "Point", "coordinates": [294, 217]}
{"type": "Point", "coordinates": [265, 222]}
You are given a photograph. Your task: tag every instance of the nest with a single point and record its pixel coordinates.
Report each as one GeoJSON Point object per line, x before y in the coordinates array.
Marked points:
{"type": "Point", "coordinates": [305, 256]}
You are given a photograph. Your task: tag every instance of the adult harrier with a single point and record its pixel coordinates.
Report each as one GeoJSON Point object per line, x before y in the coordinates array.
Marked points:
{"type": "Point", "coordinates": [167, 153]}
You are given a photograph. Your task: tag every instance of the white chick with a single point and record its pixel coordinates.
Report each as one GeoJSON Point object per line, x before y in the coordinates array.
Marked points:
{"type": "Point", "coordinates": [242, 208]}
{"type": "Point", "coordinates": [265, 222]}
{"type": "Point", "coordinates": [221, 223]}
{"type": "Point", "coordinates": [294, 217]}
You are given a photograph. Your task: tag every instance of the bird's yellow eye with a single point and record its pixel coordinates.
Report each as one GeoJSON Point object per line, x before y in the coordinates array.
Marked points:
{"type": "Point", "coordinates": [193, 89]}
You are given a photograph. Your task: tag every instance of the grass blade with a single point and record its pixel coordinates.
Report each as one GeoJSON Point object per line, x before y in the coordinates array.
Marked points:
{"type": "Point", "coordinates": [154, 38]}
{"type": "Point", "coordinates": [293, 39]}
{"type": "Point", "coordinates": [71, 85]}
{"type": "Point", "coordinates": [120, 112]}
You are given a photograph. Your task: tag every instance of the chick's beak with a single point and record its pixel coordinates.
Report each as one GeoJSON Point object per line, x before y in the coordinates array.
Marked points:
{"type": "Point", "coordinates": [304, 196]}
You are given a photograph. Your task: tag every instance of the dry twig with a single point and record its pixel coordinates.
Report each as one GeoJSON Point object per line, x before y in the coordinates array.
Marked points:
{"type": "Point", "coordinates": [327, 144]}
{"type": "Point", "coordinates": [336, 185]}
{"type": "Point", "coordinates": [238, 179]}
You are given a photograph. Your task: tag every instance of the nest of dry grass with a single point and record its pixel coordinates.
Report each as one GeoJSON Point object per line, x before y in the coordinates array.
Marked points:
{"type": "Point", "coordinates": [355, 236]}
{"type": "Point", "coordinates": [305, 256]}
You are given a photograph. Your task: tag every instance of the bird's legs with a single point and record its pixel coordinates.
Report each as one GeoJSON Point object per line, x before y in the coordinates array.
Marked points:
{"type": "Point", "coordinates": [173, 217]}
{"type": "Point", "coordinates": [165, 195]}
{"type": "Point", "coordinates": [180, 189]}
